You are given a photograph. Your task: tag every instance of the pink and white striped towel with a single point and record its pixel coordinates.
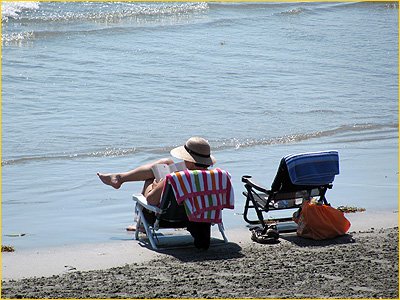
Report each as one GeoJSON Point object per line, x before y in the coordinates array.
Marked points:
{"type": "Point", "coordinates": [204, 193]}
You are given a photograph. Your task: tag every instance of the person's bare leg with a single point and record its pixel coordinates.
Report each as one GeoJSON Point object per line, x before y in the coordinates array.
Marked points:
{"type": "Point", "coordinates": [141, 173]}
{"type": "Point", "coordinates": [146, 185]}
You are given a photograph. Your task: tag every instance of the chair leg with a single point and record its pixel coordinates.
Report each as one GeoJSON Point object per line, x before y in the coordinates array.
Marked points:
{"type": "Point", "coordinates": [138, 223]}
{"type": "Point", "coordinates": [147, 229]}
{"type": "Point", "coordinates": [222, 230]}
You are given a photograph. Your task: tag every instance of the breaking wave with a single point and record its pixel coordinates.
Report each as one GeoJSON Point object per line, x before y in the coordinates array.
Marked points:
{"type": "Point", "coordinates": [362, 131]}
{"type": "Point", "coordinates": [14, 9]}
{"type": "Point", "coordinates": [97, 11]}
{"type": "Point", "coordinates": [53, 19]}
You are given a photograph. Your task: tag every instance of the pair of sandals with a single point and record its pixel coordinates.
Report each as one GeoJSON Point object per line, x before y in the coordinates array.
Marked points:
{"type": "Point", "coordinates": [267, 235]}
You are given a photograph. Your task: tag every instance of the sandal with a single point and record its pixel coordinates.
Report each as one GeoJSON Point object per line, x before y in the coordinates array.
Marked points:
{"type": "Point", "coordinates": [270, 237]}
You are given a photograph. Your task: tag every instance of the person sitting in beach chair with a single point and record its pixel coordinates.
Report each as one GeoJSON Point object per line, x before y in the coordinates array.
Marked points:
{"type": "Point", "coordinates": [191, 199]}
{"type": "Point", "coordinates": [196, 154]}
{"type": "Point", "coordinates": [299, 177]}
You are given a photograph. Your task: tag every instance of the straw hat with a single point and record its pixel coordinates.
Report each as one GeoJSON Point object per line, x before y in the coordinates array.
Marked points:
{"type": "Point", "coordinates": [197, 150]}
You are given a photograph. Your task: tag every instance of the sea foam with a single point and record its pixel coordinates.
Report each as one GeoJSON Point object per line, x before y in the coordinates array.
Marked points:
{"type": "Point", "coordinates": [13, 9]}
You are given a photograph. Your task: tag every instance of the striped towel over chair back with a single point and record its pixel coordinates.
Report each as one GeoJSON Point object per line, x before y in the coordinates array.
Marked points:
{"type": "Point", "coordinates": [204, 193]}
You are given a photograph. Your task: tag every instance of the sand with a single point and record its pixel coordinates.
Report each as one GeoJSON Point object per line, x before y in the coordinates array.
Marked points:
{"type": "Point", "coordinates": [361, 264]}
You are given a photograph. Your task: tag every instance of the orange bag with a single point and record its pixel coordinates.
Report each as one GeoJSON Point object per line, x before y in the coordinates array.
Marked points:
{"type": "Point", "coordinates": [321, 222]}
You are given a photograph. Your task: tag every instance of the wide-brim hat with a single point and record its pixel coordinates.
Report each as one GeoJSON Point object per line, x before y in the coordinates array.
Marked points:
{"type": "Point", "coordinates": [196, 150]}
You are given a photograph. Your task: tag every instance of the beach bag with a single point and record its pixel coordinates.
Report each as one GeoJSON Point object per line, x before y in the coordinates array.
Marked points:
{"type": "Point", "coordinates": [319, 222]}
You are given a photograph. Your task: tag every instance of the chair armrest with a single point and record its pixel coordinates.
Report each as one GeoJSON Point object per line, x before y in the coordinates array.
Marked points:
{"type": "Point", "coordinates": [247, 180]}
{"type": "Point", "coordinates": [141, 200]}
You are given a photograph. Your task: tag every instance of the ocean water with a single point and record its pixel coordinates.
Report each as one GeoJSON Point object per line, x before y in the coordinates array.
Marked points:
{"type": "Point", "coordinates": [90, 87]}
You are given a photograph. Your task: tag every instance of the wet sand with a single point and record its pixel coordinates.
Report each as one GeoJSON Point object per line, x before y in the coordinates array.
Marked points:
{"type": "Point", "coordinates": [361, 264]}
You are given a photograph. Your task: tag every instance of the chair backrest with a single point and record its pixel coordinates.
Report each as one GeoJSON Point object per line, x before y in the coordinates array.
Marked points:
{"type": "Point", "coordinates": [305, 176]}
{"type": "Point", "coordinates": [313, 168]}
{"type": "Point", "coordinates": [171, 211]}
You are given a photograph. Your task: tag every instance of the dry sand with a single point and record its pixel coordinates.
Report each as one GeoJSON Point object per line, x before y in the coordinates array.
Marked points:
{"type": "Point", "coordinates": [362, 264]}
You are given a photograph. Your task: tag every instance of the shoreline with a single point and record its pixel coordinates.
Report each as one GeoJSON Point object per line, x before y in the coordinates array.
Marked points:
{"type": "Point", "coordinates": [86, 257]}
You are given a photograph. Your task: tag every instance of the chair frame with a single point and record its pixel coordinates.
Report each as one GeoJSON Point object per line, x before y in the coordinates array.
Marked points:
{"type": "Point", "coordinates": [262, 200]}
{"type": "Point", "coordinates": [168, 215]}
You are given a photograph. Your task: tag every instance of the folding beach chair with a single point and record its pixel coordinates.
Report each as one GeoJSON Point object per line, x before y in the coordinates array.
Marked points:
{"type": "Point", "coordinates": [170, 214]}
{"type": "Point", "coordinates": [300, 177]}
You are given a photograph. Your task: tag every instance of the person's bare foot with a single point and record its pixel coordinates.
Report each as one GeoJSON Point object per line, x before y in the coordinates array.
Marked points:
{"type": "Point", "coordinates": [111, 179]}
{"type": "Point", "coordinates": [133, 227]}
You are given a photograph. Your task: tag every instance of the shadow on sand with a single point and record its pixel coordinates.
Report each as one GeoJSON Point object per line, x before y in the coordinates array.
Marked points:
{"type": "Point", "coordinates": [218, 251]}
{"type": "Point", "coordinates": [303, 242]}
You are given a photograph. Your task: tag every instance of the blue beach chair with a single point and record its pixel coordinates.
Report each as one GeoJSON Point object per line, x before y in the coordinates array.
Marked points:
{"type": "Point", "coordinates": [300, 177]}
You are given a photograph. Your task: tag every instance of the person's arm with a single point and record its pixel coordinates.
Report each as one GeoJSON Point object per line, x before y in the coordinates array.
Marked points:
{"type": "Point", "coordinates": [153, 196]}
